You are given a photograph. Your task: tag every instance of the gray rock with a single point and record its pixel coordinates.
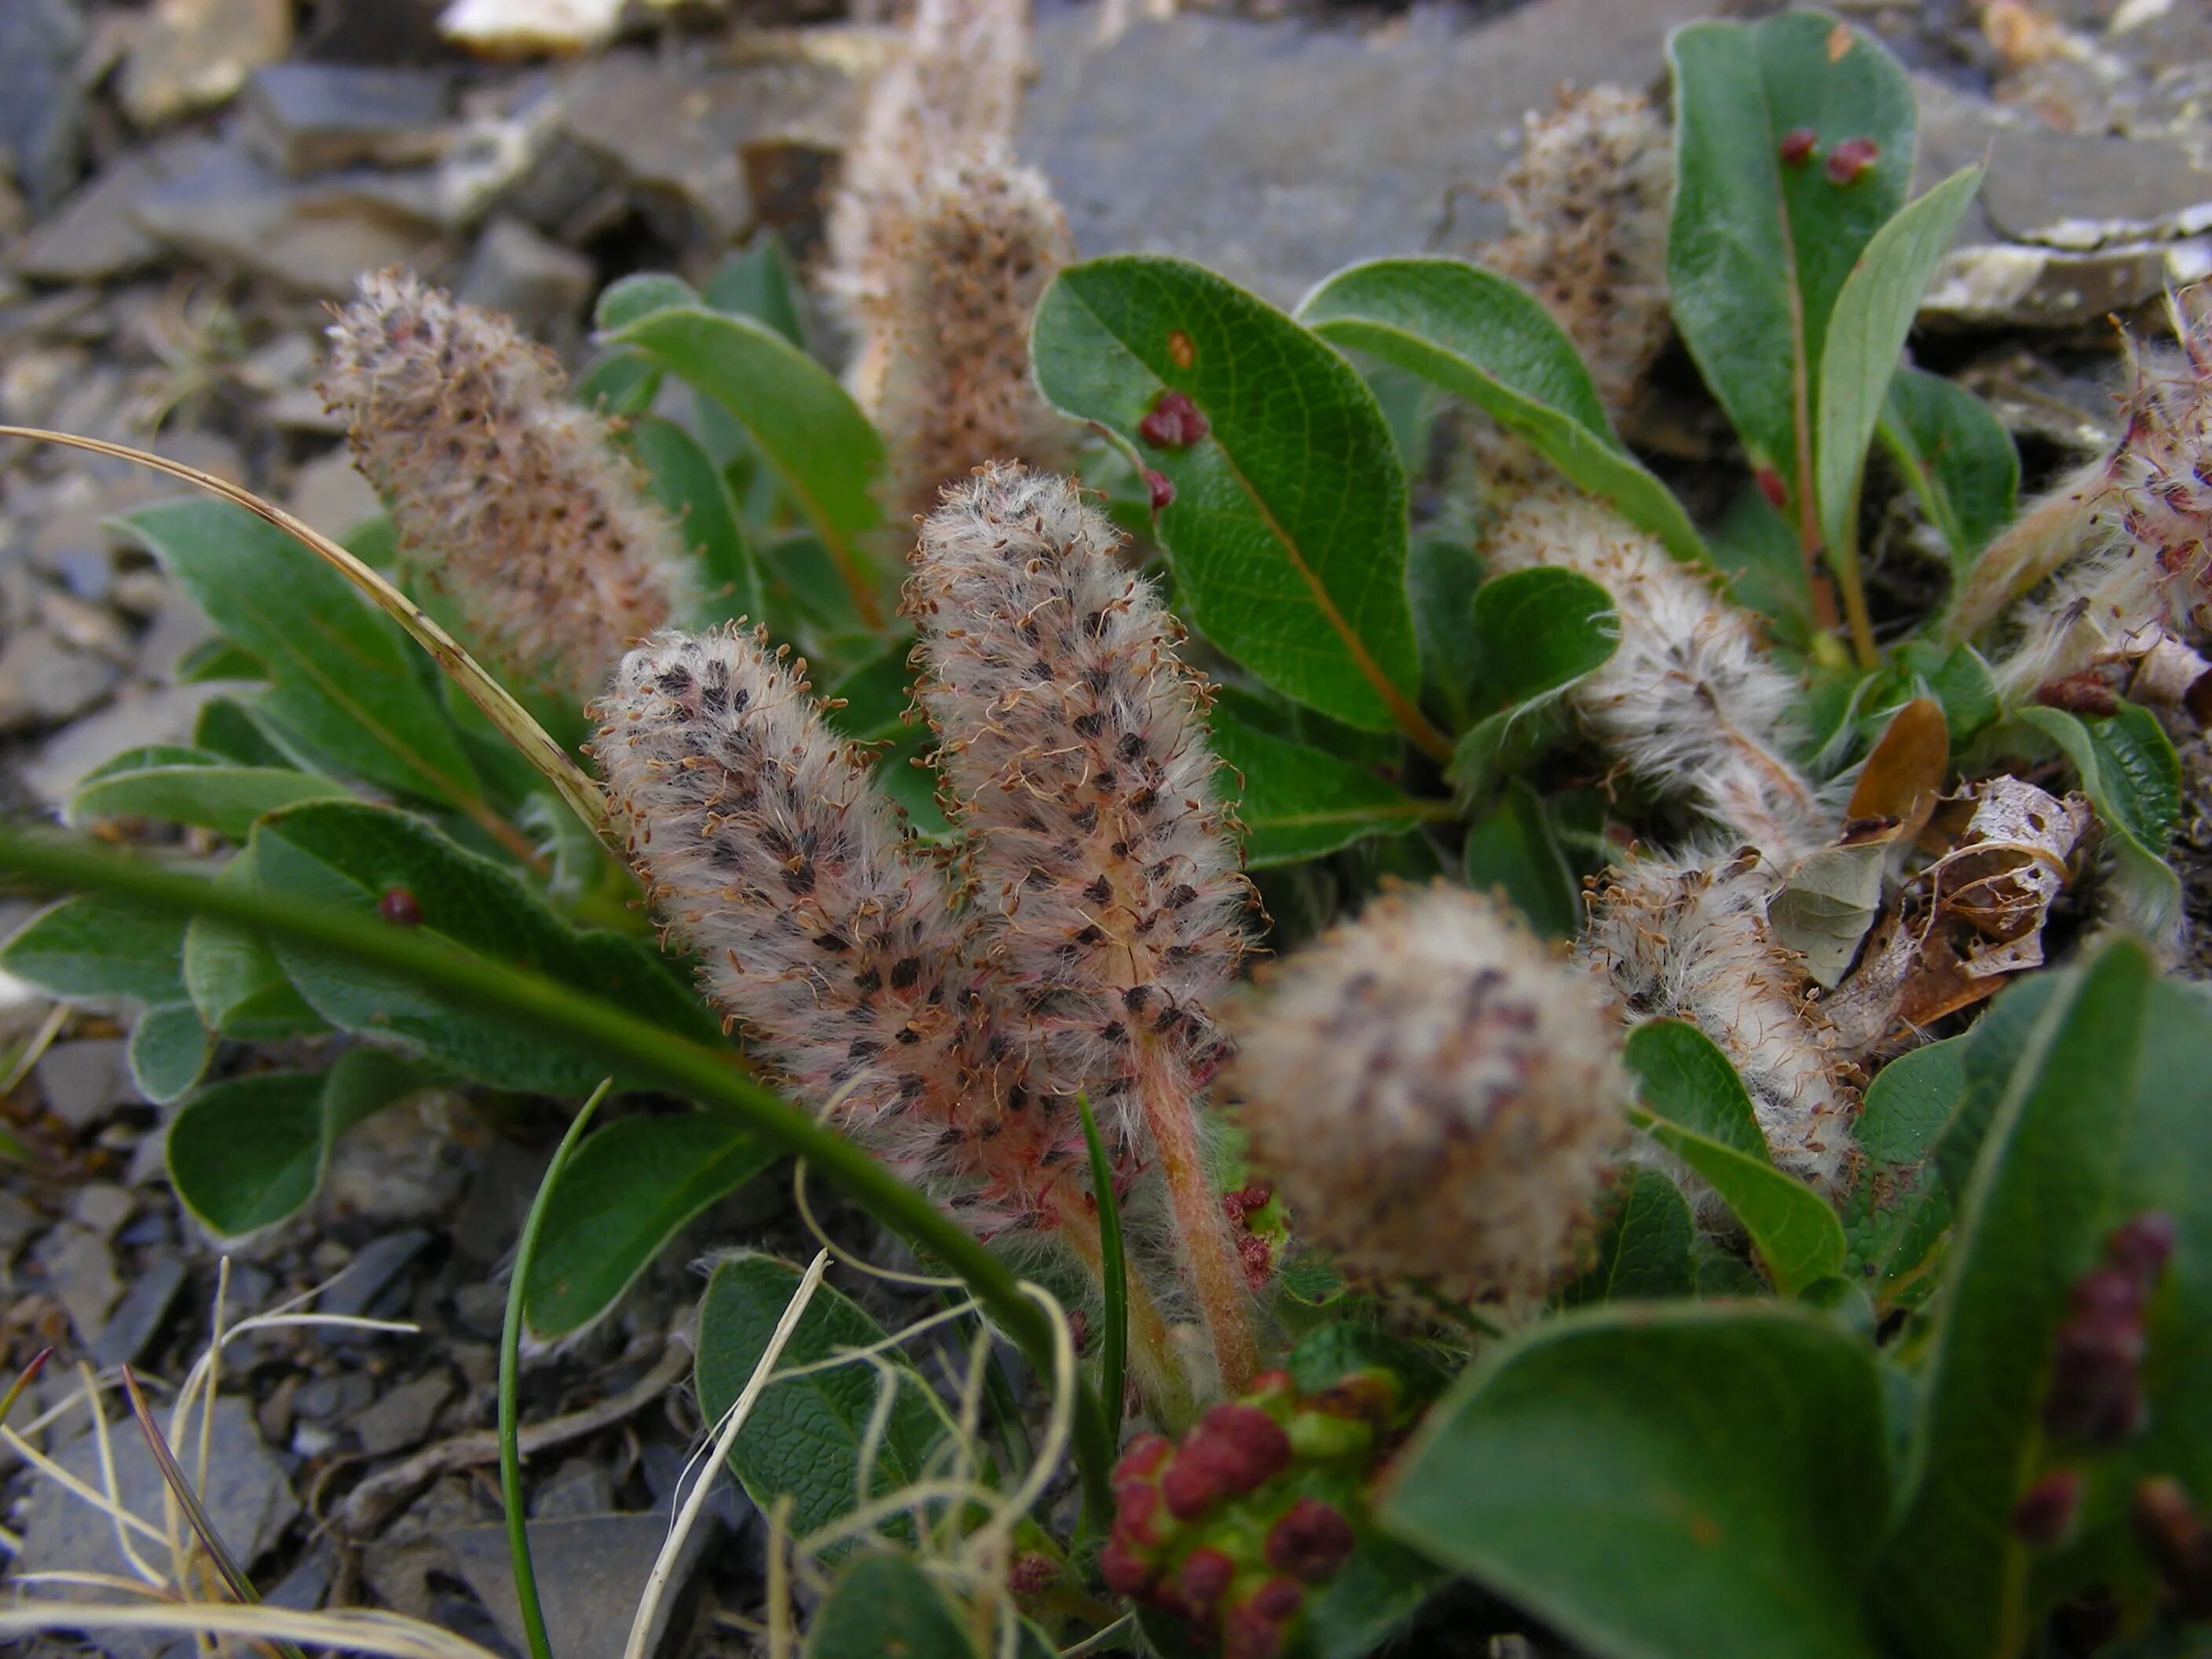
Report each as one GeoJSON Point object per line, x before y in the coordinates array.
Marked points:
{"type": "Point", "coordinates": [330, 492]}
{"type": "Point", "coordinates": [85, 1080]}
{"type": "Point", "coordinates": [403, 1417]}
{"type": "Point", "coordinates": [311, 118]}
{"type": "Point", "coordinates": [305, 1587]}
{"type": "Point", "coordinates": [194, 54]}
{"type": "Point", "coordinates": [315, 235]}
{"type": "Point", "coordinates": [1277, 153]}
{"type": "Point", "coordinates": [161, 716]}
{"type": "Point", "coordinates": [102, 1207]}
{"type": "Point", "coordinates": [371, 1273]}
{"type": "Point", "coordinates": [582, 1486]}
{"type": "Point", "coordinates": [591, 1571]}
{"type": "Point", "coordinates": [330, 1401]}
{"type": "Point", "coordinates": [246, 1497]}
{"type": "Point", "coordinates": [44, 682]}
{"type": "Point", "coordinates": [543, 286]}
{"type": "Point", "coordinates": [41, 103]}
{"type": "Point", "coordinates": [138, 1315]}
{"type": "Point", "coordinates": [97, 235]}
{"type": "Point", "coordinates": [18, 1221]}
{"type": "Point", "coordinates": [80, 1272]}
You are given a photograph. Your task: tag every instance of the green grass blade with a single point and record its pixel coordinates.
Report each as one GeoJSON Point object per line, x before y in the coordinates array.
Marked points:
{"type": "Point", "coordinates": [1113, 1276]}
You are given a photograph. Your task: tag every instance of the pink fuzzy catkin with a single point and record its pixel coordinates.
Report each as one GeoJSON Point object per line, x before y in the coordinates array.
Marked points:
{"type": "Point", "coordinates": [1074, 759]}
{"type": "Point", "coordinates": [504, 493]}
{"type": "Point", "coordinates": [767, 846]}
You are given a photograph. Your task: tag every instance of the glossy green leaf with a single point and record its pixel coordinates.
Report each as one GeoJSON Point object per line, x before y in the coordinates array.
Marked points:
{"type": "Point", "coordinates": [2132, 776]}
{"type": "Point", "coordinates": [1643, 1246]}
{"type": "Point", "coordinates": [804, 1436]}
{"type": "Point", "coordinates": [1758, 249]}
{"type": "Point", "coordinates": [1514, 849]}
{"type": "Point", "coordinates": [169, 1048]}
{"type": "Point", "coordinates": [1300, 803]}
{"type": "Point", "coordinates": [1959, 679]}
{"type": "Point", "coordinates": [760, 282]}
{"type": "Point", "coordinates": [884, 1605]}
{"type": "Point", "coordinates": [639, 294]}
{"type": "Point", "coordinates": [1956, 457]}
{"type": "Point", "coordinates": [822, 448]}
{"type": "Point", "coordinates": [345, 676]}
{"type": "Point", "coordinates": [1682, 1075]}
{"type": "Point", "coordinates": [1901, 1207]}
{"type": "Point", "coordinates": [2033, 1220]}
{"type": "Point", "coordinates": [698, 496]}
{"type": "Point", "coordinates": [236, 985]}
{"type": "Point", "coordinates": [189, 786]}
{"type": "Point", "coordinates": [90, 947]}
{"type": "Point", "coordinates": [1538, 632]}
{"type": "Point", "coordinates": [350, 855]}
{"type": "Point", "coordinates": [1442, 575]}
{"type": "Point", "coordinates": [225, 727]}
{"type": "Point", "coordinates": [631, 1188]}
{"type": "Point", "coordinates": [1866, 334]}
{"type": "Point", "coordinates": [1480, 336]}
{"type": "Point", "coordinates": [619, 384]}
{"type": "Point", "coordinates": [1288, 526]}
{"type": "Point", "coordinates": [246, 1154]}
{"type": "Point", "coordinates": [1699, 1482]}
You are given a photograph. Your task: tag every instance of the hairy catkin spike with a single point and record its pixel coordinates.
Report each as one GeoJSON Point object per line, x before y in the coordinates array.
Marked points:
{"type": "Point", "coordinates": [1435, 1094]}
{"type": "Point", "coordinates": [1075, 758]}
{"type": "Point", "coordinates": [2128, 538]}
{"type": "Point", "coordinates": [944, 365]}
{"type": "Point", "coordinates": [1688, 939]}
{"type": "Point", "coordinates": [1587, 205]}
{"type": "Point", "coordinates": [506, 495]}
{"type": "Point", "coordinates": [767, 846]}
{"type": "Point", "coordinates": [1688, 703]}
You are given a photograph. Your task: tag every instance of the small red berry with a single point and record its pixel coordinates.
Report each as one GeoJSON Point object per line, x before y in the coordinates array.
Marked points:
{"type": "Point", "coordinates": [1246, 1634]}
{"type": "Point", "coordinates": [1254, 1195]}
{"type": "Point", "coordinates": [1174, 422]}
{"type": "Point", "coordinates": [1279, 1598]}
{"type": "Point", "coordinates": [1770, 486]}
{"type": "Point", "coordinates": [1310, 1541]}
{"type": "Point", "coordinates": [2044, 1513]}
{"type": "Point", "coordinates": [1030, 1573]}
{"type": "Point", "coordinates": [1124, 1575]}
{"type": "Point", "coordinates": [1848, 162]}
{"type": "Point", "coordinates": [2141, 1247]}
{"type": "Point", "coordinates": [1205, 1578]}
{"type": "Point", "coordinates": [1142, 1457]}
{"type": "Point", "coordinates": [1161, 487]}
{"type": "Point", "coordinates": [1233, 1449]}
{"type": "Point", "coordinates": [397, 907]}
{"type": "Point", "coordinates": [1798, 145]}
{"type": "Point", "coordinates": [1258, 1257]}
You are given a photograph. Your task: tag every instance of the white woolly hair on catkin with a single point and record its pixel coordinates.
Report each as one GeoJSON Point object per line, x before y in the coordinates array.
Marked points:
{"type": "Point", "coordinates": [767, 848]}
{"type": "Point", "coordinates": [2129, 537]}
{"type": "Point", "coordinates": [505, 495]}
{"type": "Point", "coordinates": [1688, 703]}
{"type": "Point", "coordinates": [1076, 761]}
{"type": "Point", "coordinates": [1437, 1095]}
{"type": "Point", "coordinates": [1587, 203]}
{"type": "Point", "coordinates": [1685, 937]}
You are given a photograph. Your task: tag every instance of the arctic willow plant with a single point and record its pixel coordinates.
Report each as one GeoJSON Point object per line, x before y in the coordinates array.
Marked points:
{"type": "Point", "coordinates": [1659, 1179]}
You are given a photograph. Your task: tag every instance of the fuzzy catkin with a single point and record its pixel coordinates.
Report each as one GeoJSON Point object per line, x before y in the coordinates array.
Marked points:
{"type": "Point", "coordinates": [1687, 939]}
{"type": "Point", "coordinates": [1587, 203]}
{"type": "Point", "coordinates": [505, 495]}
{"type": "Point", "coordinates": [2130, 536]}
{"type": "Point", "coordinates": [767, 846]}
{"type": "Point", "coordinates": [1437, 1095]}
{"type": "Point", "coordinates": [1075, 758]}
{"type": "Point", "coordinates": [1688, 703]}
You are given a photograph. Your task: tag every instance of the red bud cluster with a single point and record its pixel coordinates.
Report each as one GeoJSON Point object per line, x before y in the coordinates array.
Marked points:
{"type": "Point", "coordinates": [2096, 1381]}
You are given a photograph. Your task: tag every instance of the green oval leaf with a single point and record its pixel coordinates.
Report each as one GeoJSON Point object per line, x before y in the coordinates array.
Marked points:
{"type": "Point", "coordinates": [1482, 337]}
{"type": "Point", "coordinates": [1541, 630]}
{"type": "Point", "coordinates": [345, 675]}
{"type": "Point", "coordinates": [629, 1189]}
{"type": "Point", "coordinates": [2031, 1221]}
{"type": "Point", "coordinates": [95, 946]}
{"type": "Point", "coordinates": [884, 1604]}
{"type": "Point", "coordinates": [799, 420]}
{"type": "Point", "coordinates": [1643, 1249]}
{"type": "Point", "coordinates": [1874, 314]}
{"type": "Point", "coordinates": [1676, 1482]}
{"type": "Point", "coordinates": [1299, 802]}
{"type": "Point", "coordinates": [191, 787]}
{"type": "Point", "coordinates": [695, 493]}
{"type": "Point", "coordinates": [1514, 848]}
{"type": "Point", "coordinates": [804, 1436]}
{"type": "Point", "coordinates": [1288, 525]}
{"type": "Point", "coordinates": [1758, 249]}
{"type": "Point", "coordinates": [169, 1048]}
{"type": "Point", "coordinates": [1682, 1075]}
{"type": "Point", "coordinates": [1956, 457]}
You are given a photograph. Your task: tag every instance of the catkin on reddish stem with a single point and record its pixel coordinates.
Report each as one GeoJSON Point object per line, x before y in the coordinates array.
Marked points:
{"type": "Point", "coordinates": [1074, 757]}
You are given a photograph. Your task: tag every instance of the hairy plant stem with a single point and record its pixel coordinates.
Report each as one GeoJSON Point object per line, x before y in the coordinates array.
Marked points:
{"type": "Point", "coordinates": [1224, 1301]}
{"type": "Point", "coordinates": [642, 1052]}
{"type": "Point", "coordinates": [1160, 1371]}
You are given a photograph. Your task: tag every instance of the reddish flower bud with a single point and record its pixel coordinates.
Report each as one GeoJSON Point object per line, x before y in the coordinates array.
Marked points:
{"type": "Point", "coordinates": [1161, 486]}
{"type": "Point", "coordinates": [1031, 1573]}
{"type": "Point", "coordinates": [1124, 1575]}
{"type": "Point", "coordinates": [2173, 1535]}
{"type": "Point", "coordinates": [1174, 422]}
{"type": "Point", "coordinates": [1136, 1516]}
{"type": "Point", "coordinates": [1798, 145]}
{"type": "Point", "coordinates": [1205, 1578]}
{"type": "Point", "coordinates": [1279, 1598]}
{"type": "Point", "coordinates": [1258, 1257]}
{"type": "Point", "coordinates": [2096, 1392]}
{"type": "Point", "coordinates": [1254, 1195]}
{"type": "Point", "coordinates": [1246, 1634]}
{"type": "Point", "coordinates": [1848, 160]}
{"type": "Point", "coordinates": [1310, 1541]}
{"type": "Point", "coordinates": [1233, 1449]}
{"type": "Point", "coordinates": [2107, 1299]}
{"type": "Point", "coordinates": [2141, 1247]}
{"type": "Point", "coordinates": [397, 907]}
{"type": "Point", "coordinates": [1771, 486]}
{"type": "Point", "coordinates": [2046, 1509]}
{"type": "Point", "coordinates": [1142, 1457]}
